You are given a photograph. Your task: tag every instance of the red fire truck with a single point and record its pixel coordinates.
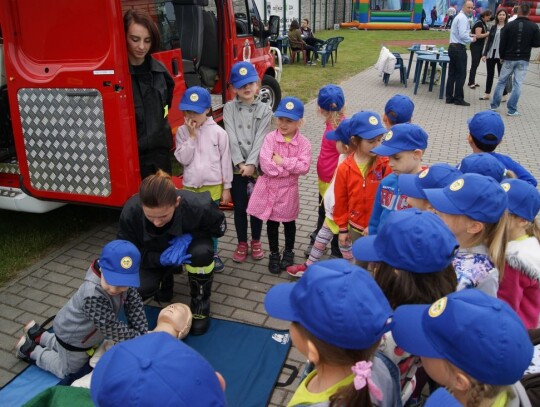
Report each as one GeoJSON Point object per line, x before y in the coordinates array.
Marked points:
{"type": "Point", "coordinates": [67, 121]}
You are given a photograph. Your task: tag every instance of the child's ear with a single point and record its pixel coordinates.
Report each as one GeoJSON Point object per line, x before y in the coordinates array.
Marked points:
{"type": "Point", "coordinates": [312, 352]}
{"type": "Point", "coordinates": [474, 227]}
{"type": "Point", "coordinates": [461, 382]}
{"type": "Point", "coordinates": [470, 141]}
{"type": "Point", "coordinates": [417, 154]}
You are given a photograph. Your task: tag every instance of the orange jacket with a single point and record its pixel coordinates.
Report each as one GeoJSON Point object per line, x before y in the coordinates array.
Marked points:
{"type": "Point", "coordinates": [355, 194]}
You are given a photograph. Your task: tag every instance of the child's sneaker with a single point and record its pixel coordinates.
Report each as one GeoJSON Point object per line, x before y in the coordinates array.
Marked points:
{"type": "Point", "coordinates": [33, 331]}
{"type": "Point", "coordinates": [219, 266]}
{"type": "Point", "coordinates": [287, 259]}
{"type": "Point", "coordinates": [240, 254]}
{"type": "Point", "coordinates": [273, 263]}
{"type": "Point", "coordinates": [297, 270]}
{"type": "Point", "coordinates": [257, 252]}
{"type": "Point", "coordinates": [24, 348]}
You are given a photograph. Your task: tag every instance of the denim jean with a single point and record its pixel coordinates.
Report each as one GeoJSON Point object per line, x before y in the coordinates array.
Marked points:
{"type": "Point", "coordinates": [519, 69]}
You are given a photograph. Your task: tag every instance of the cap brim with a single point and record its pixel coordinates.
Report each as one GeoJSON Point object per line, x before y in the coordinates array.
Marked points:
{"type": "Point", "coordinates": [278, 302]}
{"type": "Point", "coordinates": [438, 199]}
{"type": "Point", "coordinates": [442, 398]}
{"type": "Point", "coordinates": [369, 135]}
{"type": "Point", "coordinates": [120, 279]}
{"type": "Point", "coordinates": [192, 108]}
{"type": "Point", "coordinates": [287, 115]}
{"type": "Point", "coordinates": [407, 186]}
{"type": "Point", "coordinates": [245, 81]}
{"type": "Point", "coordinates": [385, 151]}
{"type": "Point", "coordinates": [409, 332]}
{"type": "Point", "coordinates": [333, 135]}
{"type": "Point", "coordinates": [364, 249]}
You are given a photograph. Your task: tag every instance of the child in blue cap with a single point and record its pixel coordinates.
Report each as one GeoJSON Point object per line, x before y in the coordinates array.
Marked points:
{"type": "Point", "coordinates": [486, 130]}
{"type": "Point", "coordinates": [202, 147]}
{"type": "Point", "coordinates": [329, 230]}
{"type": "Point", "coordinates": [156, 370]}
{"type": "Point", "coordinates": [338, 316]}
{"type": "Point", "coordinates": [411, 261]}
{"type": "Point", "coordinates": [398, 109]}
{"type": "Point", "coordinates": [358, 177]}
{"type": "Point", "coordinates": [91, 314]}
{"type": "Point", "coordinates": [520, 284]}
{"type": "Point", "coordinates": [285, 156]}
{"type": "Point", "coordinates": [473, 344]}
{"type": "Point", "coordinates": [404, 145]}
{"type": "Point", "coordinates": [473, 207]}
{"type": "Point", "coordinates": [331, 103]}
{"type": "Point", "coordinates": [437, 175]}
{"type": "Point", "coordinates": [247, 120]}
{"type": "Point", "coordinates": [485, 164]}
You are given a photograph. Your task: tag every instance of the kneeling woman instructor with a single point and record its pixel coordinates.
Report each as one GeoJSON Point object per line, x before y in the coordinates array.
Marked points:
{"type": "Point", "coordinates": [159, 221]}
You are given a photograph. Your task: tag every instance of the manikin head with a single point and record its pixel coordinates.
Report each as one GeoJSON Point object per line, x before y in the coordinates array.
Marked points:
{"type": "Point", "coordinates": [175, 319]}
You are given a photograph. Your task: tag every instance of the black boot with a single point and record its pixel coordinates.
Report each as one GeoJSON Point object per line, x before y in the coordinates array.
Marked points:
{"type": "Point", "coordinates": [200, 288]}
{"type": "Point", "coordinates": [273, 263]}
{"type": "Point", "coordinates": [287, 259]}
{"type": "Point", "coordinates": [165, 293]}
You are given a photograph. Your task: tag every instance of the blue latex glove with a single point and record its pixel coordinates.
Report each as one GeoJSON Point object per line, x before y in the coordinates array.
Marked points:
{"type": "Point", "coordinates": [175, 254]}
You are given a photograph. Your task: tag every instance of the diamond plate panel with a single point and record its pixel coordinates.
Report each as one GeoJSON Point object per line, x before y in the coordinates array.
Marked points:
{"type": "Point", "coordinates": [65, 143]}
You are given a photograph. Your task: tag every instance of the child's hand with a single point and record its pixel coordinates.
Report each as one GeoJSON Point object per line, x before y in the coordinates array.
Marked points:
{"type": "Point", "coordinates": [277, 159]}
{"type": "Point", "coordinates": [344, 239]}
{"type": "Point", "coordinates": [226, 196]}
{"type": "Point", "coordinates": [247, 170]}
{"type": "Point", "coordinates": [191, 125]}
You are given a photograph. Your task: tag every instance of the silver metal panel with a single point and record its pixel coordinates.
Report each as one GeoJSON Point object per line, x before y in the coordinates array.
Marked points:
{"type": "Point", "coordinates": [64, 135]}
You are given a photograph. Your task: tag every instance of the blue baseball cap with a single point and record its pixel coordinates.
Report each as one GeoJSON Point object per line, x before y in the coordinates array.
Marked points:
{"type": "Point", "coordinates": [485, 123]}
{"type": "Point", "coordinates": [485, 164]}
{"type": "Point", "coordinates": [331, 98]}
{"type": "Point", "coordinates": [479, 197]}
{"type": "Point", "coordinates": [291, 108]}
{"type": "Point", "coordinates": [367, 125]}
{"type": "Point", "coordinates": [155, 369]}
{"type": "Point", "coordinates": [411, 240]}
{"type": "Point", "coordinates": [195, 99]}
{"type": "Point", "coordinates": [243, 73]}
{"type": "Point", "coordinates": [479, 334]}
{"type": "Point", "coordinates": [438, 175]}
{"type": "Point", "coordinates": [341, 133]}
{"type": "Point", "coordinates": [336, 301]}
{"type": "Point", "coordinates": [402, 137]}
{"type": "Point", "coordinates": [523, 198]}
{"type": "Point", "coordinates": [442, 398]}
{"type": "Point", "coordinates": [399, 109]}
{"type": "Point", "coordinates": [119, 263]}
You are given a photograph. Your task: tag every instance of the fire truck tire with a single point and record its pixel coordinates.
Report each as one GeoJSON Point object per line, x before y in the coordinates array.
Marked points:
{"type": "Point", "coordinates": [270, 91]}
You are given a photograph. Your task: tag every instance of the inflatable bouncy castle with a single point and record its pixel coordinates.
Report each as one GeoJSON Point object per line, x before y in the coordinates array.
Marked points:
{"type": "Point", "coordinates": [397, 15]}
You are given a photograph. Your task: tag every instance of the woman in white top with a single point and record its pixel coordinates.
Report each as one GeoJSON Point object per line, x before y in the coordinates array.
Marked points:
{"type": "Point", "coordinates": [491, 51]}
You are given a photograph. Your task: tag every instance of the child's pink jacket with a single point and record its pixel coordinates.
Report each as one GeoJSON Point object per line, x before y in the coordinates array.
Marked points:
{"type": "Point", "coordinates": [520, 286]}
{"type": "Point", "coordinates": [275, 195]}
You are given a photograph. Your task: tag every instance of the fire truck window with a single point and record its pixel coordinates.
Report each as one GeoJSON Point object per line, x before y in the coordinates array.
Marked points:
{"type": "Point", "coordinates": [241, 17]}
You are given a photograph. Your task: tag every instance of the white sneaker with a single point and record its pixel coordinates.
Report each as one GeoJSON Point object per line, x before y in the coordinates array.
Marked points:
{"type": "Point", "coordinates": [516, 113]}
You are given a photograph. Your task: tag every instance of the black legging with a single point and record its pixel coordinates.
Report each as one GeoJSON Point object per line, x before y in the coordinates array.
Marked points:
{"type": "Point", "coordinates": [490, 67]}
{"type": "Point", "coordinates": [240, 199]}
{"type": "Point", "coordinates": [272, 230]}
{"type": "Point", "coordinates": [476, 56]}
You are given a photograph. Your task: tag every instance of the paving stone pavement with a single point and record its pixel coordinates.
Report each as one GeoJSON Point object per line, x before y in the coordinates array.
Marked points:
{"type": "Point", "coordinates": [239, 291]}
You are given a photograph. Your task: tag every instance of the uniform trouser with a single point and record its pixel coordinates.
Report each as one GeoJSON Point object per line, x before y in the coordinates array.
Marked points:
{"type": "Point", "coordinates": [152, 161]}
{"type": "Point", "coordinates": [52, 357]}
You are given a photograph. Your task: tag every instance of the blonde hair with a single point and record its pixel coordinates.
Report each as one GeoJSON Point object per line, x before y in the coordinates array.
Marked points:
{"type": "Point", "coordinates": [533, 228]}
{"type": "Point", "coordinates": [332, 116]}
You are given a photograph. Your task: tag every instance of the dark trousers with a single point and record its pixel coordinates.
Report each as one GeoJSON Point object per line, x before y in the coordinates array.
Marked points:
{"type": "Point", "coordinates": [457, 72]}
{"type": "Point", "coordinates": [476, 56]}
{"type": "Point", "coordinates": [491, 63]}
{"type": "Point", "coordinates": [320, 220]}
{"type": "Point", "coordinates": [272, 230]}
{"type": "Point", "coordinates": [152, 161]}
{"type": "Point", "coordinates": [239, 194]}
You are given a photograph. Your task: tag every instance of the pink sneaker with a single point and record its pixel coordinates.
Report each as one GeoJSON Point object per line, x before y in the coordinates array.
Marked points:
{"type": "Point", "coordinates": [257, 252]}
{"type": "Point", "coordinates": [297, 270]}
{"type": "Point", "coordinates": [240, 254]}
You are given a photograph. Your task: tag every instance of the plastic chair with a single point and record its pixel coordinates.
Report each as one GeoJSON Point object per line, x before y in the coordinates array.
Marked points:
{"type": "Point", "coordinates": [338, 41]}
{"type": "Point", "coordinates": [296, 48]}
{"type": "Point", "coordinates": [400, 65]}
{"type": "Point", "coordinates": [326, 50]}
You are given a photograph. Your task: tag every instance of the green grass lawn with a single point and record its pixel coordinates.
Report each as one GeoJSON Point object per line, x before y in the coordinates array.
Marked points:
{"type": "Point", "coordinates": [26, 238]}
{"type": "Point", "coordinates": [358, 51]}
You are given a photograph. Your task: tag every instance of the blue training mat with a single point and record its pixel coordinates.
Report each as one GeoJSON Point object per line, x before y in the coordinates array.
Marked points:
{"type": "Point", "coordinates": [250, 358]}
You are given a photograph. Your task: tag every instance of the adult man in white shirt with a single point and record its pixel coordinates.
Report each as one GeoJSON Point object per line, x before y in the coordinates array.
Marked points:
{"type": "Point", "coordinates": [457, 51]}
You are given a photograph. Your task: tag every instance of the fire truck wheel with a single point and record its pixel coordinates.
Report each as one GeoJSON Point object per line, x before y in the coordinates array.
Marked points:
{"type": "Point", "coordinates": [270, 91]}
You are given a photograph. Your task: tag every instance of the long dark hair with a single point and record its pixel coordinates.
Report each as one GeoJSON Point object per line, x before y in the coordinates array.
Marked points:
{"type": "Point", "coordinates": [497, 15]}
{"type": "Point", "coordinates": [403, 287]}
{"type": "Point", "coordinates": [294, 25]}
{"type": "Point", "coordinates": [140, 17]}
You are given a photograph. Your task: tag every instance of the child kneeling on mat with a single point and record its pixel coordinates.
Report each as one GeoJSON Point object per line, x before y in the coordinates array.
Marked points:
{"type": "Point", "coordinates": [91, 314]}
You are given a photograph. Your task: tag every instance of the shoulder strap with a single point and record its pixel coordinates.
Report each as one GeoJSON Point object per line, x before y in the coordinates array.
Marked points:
{"type": "Point", "coordinates": [394, 373]}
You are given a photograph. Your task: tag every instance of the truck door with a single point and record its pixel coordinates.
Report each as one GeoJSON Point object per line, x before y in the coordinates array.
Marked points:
{"type": "Point", "coordinates": [70, 97]}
